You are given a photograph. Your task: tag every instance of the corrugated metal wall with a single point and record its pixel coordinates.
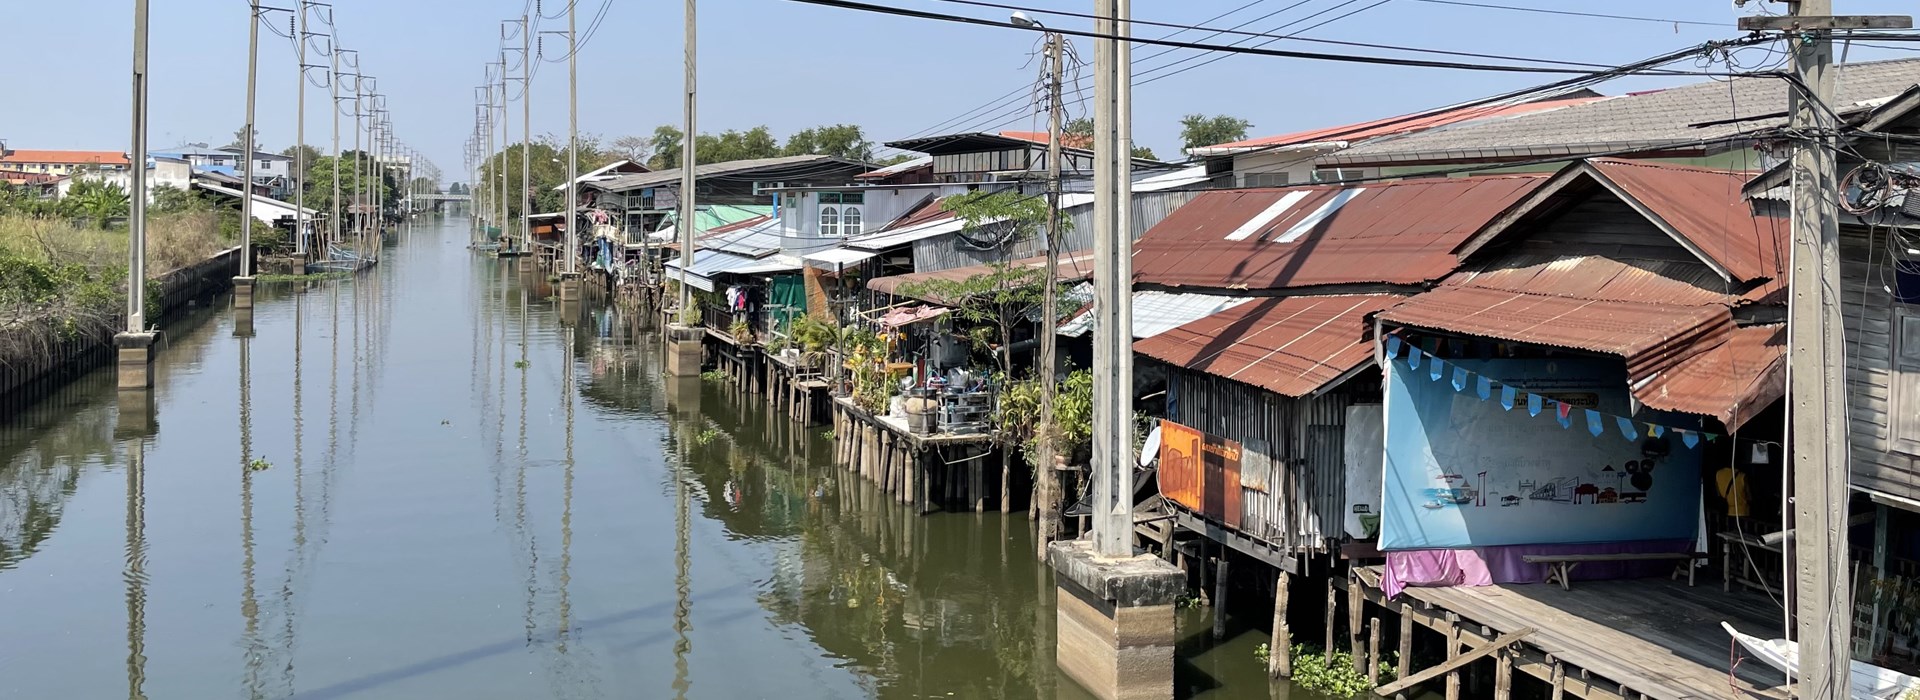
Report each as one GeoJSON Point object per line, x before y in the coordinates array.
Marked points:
{"type": "Point", "coordinates": [1878, 463]}
{"type": "Point", "coordinates": [1292, 447]}
{"type": "Point", "coordinates": [946, 252]}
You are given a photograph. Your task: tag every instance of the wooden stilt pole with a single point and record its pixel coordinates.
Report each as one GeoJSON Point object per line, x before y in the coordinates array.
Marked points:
{"type": "Point", "coordinates": [1333, 602]}
{"type": "Point", "coordinates": [1220, 598]}
{"type": "Point", "coordinates": [1373, 651]}
{"type": "Point", "coordinates": [1356, 605]}
{"type": "Point", "coordinates": [1280, 649]}
{"type": "Point", "coordinates": [1453, 651]}
{"type": "Point", "coordinates": [1503, 676]}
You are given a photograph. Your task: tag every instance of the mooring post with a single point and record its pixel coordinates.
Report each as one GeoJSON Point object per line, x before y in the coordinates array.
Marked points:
{"type": "Point", "coordinates": [1280, 649]}
{"type": "Point", "coordinates": [1220, 598]}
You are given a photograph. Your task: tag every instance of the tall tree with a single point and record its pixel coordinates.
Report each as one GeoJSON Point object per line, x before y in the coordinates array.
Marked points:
{"type": "Point", "coordinates": [757, 142]}
{"type": "Point", "coordinates": [634, 148]}
{"type": "Point", "coordinates": [1198, 130]}
{"type": "Point", "coordinates": [240, 139]}
{"type": "Point", "coordinates": [667, 141]}
{"type": "Point", "coordinates": [838, 140]}
{"type": "Point", "coordinates": [457, 188]}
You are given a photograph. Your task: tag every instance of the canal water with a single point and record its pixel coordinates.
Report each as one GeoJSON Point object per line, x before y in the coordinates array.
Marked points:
{"type": "Point", "coordinates": [423, 482]}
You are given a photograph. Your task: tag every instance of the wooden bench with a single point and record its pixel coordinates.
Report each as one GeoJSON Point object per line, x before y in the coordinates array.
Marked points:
{"type": "Point", "coordinates": [1560, 566]}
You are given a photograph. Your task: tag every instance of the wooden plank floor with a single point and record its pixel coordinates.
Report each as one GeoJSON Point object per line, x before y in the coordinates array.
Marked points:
{"type": "Point", "coordinates": [1656, 636]}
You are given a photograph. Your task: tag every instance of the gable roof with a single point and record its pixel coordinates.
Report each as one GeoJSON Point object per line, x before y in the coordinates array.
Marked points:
{"type": "Point", "coordinates": [1299, 237]}
{"type": "Point", "coordinates": [1347, 134]}
{"type": "Point", "coordinates": [606, 172]}
{"type": "Point", "coordinates": [1700, 208]}
{"type": "Point", "coordinates": [1675, 118]}
{"type": "Point", "coordinates": [775, 168]}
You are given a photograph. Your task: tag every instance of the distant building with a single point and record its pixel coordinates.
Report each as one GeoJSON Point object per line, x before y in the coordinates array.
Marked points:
{"type": "Point", "coordinates": [162, 171]}
{"type": "Point", "coordinates": [61, 162]}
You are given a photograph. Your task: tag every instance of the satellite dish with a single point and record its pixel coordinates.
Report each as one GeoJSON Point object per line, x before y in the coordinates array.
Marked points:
{"type": "Point", "coordinates": [1151, 450]}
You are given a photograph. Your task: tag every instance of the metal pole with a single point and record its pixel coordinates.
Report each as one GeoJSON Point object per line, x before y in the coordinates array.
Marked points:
{"type": "Point", "coordinates": [526, 134]}
{"type": "Point", "coordinates": [1047, 476]}
{"type": "Point", "coordinates": [137, 199]}
{"type": "Point", "coordinates": [1112, 346]}
{"type": "Point", "coordinates": [300, 134]}
{"type": "Point", "coordinates": [687, 139]}
{"type": "Point", "coordinates": [333, 87]}
{"type": "Point", "coordinates": [1816, 384]}
{"type": "Point", "coordinates": [359, 181]}
{"type": "Point", "coordinates": [246, 142]}
{"type": "Point", "coordinates": [573, 145]}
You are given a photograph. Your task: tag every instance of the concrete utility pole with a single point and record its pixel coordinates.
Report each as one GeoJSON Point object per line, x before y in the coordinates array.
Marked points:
{"type": "Point", "coordinates": [333, 87]}
{"type": "Point", "coordinates": [1816, 391]}
{"type": "Point", "coordinates": [688, 136]}
{"type": "Point", "coordinates": [1112, 290]}
{"type": "Point", "coordinates": [526, 134]}
{"type": "Point", "coordinates": [359, 181]}
{"type": "Point", "coordinates": [300, 133]}
{"type": "Point", "coordinates": [570, 278]}
{"type": "Point", "coordinates": [134, 356]}
{"type": "Point", "coordinates": [1046, 474]}
{"type": "Point", "coordinates": [243, 284]}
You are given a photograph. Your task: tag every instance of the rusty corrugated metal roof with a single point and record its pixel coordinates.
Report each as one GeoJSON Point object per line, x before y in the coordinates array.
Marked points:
{"type": "Point", "coordinates": [1281, 238]}
{"type": "Point", "coordinates": [1650, 336]}
{"type": "Point", "coordinates": [1074, 267]}
{"type": "Point", "coordinates": [1595, 277]}
{"type": "Point", "coordinates": [1732, 381]}
{"type": "Point", "coordinates": [1706, 208]}
{"type": "Point", "coordinates": [1287, 345]}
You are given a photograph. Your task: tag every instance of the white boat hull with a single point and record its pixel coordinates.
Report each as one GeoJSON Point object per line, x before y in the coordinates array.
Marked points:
{"type": "Point", "coordinates": [1870, 682]}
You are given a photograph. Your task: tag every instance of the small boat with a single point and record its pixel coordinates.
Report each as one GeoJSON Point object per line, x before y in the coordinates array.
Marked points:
{"type": "Point", "coordinates": [1870, 682]}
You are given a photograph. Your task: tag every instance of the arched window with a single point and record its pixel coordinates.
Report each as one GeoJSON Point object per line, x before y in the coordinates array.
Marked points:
{"type": "Point", "coordinates": [829, 221]}
{"type": "Point", "coordinates": [850, 221]}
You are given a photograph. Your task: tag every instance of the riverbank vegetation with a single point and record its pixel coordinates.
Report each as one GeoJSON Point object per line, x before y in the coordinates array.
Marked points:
{"type": "Point", "coordinates": [64, 278]}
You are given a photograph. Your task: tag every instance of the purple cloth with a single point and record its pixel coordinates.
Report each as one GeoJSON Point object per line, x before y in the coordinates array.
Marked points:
{"type": "Point", "coordinates": [1481, 566]}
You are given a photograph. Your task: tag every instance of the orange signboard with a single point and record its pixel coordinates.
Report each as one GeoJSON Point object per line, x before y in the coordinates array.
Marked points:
{"type": "Point", "coordinates": [1200, 472]}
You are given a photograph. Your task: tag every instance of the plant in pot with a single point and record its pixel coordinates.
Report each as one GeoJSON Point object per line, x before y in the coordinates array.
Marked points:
{"type": "Point", "coordinates": [741, 332]}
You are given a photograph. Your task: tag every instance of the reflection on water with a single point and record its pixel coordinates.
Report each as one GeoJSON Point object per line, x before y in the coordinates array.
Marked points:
{"type": "Point", "coordinates": [506, 503]}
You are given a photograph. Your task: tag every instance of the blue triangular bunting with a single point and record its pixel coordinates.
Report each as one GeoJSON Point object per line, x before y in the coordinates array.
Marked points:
{"type": "Point", "coordinates": [1533, 404]}
{"type": "Point", "coordinates": [1507, 397]}
{"type": "Point", "coordinates": [1563, 413]}
{"type": "Point", "coordinates": [1413, 356]}
{"type": "Point", "coordinates": [1689, 437]}
{"type": "Point", "coordinates": [1436, 368]}
{"type": "Point", "coordinates": [1393, 346]}
{"type": "Point", "coordinates": [1656, 430]}
{"type": "Point", "coordinates": [1626, 428]}
{"type": "Point", "coordinates": [1459, 378]}
{"type": "Point", "coordinates": [1593, 422]}
{"type": "Point", "coordinates": [1485, 386]}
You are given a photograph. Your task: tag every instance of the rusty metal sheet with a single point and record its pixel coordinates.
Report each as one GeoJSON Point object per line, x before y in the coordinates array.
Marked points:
{"type": "Point", "coordinates": [1679, 283]}
{"type": "Point", "coordinates": [1705, 206]}
{"type": "Point", "coordinates": [1288, 345]}
{"type": "Point", "coordinates": [1074, 267]}
{"type": "Point", "coordinates": [1649, 336]}
{"type": "Point", "coordinates": [1287, 238]}
{"type": "Point", "coordinates": [1732, 381]}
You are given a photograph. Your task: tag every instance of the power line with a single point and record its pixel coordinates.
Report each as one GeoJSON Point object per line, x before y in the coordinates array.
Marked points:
{"type": "Point", "coordinates": [1293, 37]}
{"type": "Point", "coordinates": [1570, 13]}
{"type": "Point", "coordinates": [1276, 53]}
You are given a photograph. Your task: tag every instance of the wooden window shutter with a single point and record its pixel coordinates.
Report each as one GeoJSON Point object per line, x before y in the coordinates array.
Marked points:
{"type": "Point", "coordinates": [1903, 422]}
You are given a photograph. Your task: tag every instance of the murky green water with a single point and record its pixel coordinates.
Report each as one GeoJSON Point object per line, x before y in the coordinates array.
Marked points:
{"type": "Point", "coordinates": [459, 495]}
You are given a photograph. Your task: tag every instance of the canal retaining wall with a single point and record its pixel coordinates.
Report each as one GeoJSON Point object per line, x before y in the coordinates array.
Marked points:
{"type": "Point", "coordinates": [25, 380]}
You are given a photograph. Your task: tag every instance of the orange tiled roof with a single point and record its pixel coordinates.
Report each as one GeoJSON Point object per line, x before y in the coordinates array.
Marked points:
{"type": "Point", "coordinates": [24, 155]}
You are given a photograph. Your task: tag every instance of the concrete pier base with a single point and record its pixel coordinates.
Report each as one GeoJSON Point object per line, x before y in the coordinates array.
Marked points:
{"type": "Point", "coordinates": [243, 292]}
{"type": "Point", "coordinates": [136, 415]}
{"type": "Point", "coordinates": [133, 361]}
{"type": "Point", "coordinates": [1115, 621]}
{"type": "Point", "coordinates": [569, 287]}
{"type": "Point", "coordinates": [684, 351]}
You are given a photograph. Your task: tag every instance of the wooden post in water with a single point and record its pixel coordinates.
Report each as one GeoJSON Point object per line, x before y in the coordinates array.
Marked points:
{"type": "Point", "coordinates": [1333, 601]}
{"type": "Point", "coordinates": [1503, 675]}
{"type": "Point", "coordinates": [1220, 598]}
{"type": "Point", "coordinates": [1280, 649]}
{"type": "Point", "coordinates": [1404, 664]}
{"type": "Point", "coordinates": [1356, 604]}
{"type": "Point", "coordinates": [1453, 650]}
{"type": "Point", "coordinates": [1373, 651]}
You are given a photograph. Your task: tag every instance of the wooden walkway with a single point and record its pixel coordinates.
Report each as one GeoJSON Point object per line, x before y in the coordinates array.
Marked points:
{"type": "Point", "coordinates": [1649, 637]}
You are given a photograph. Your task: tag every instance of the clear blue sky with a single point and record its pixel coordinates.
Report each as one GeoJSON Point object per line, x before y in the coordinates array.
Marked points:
{"type": "Point", "coordinates": [779, 63]}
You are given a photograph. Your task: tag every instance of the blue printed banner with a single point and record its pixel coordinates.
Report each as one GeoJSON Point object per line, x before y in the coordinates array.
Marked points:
{"type": "Point", "coordinates": [1464, 472]}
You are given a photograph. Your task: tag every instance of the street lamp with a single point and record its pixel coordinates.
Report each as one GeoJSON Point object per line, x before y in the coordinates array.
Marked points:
{"type": "Point", "coordinates": [1021, 18]}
